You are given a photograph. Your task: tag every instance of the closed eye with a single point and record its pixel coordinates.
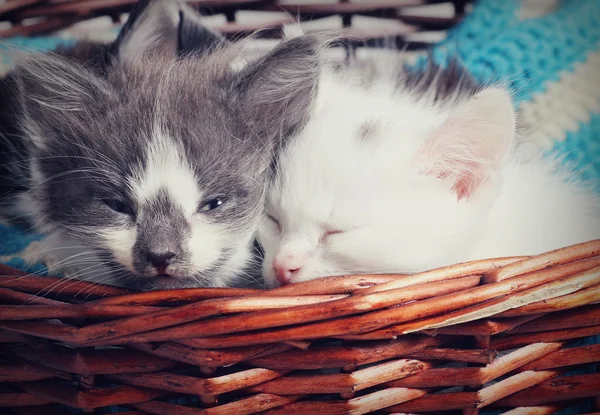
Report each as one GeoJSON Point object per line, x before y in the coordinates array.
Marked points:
{"type": "Point", "coordinates": [274, 220]}
{"type": "Point", "coordinates": [333, 232]}
{"type": "Point", "coordinates": [330, 233]}
{"type": "Point", "coordinates": [119, 206]}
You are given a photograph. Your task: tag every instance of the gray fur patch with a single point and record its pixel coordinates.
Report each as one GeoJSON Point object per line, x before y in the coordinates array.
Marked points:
{"type": "Point", "coordinates": [440, 84]}
{"type": "Point", "coordinates": [369, 130]}
{"type": "Point", "coordinates": [162, 227]}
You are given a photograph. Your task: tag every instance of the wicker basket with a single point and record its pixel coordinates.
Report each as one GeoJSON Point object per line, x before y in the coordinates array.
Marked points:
{"type": "Point", "coordinates": [498, 331]}
{"type": "Point", "coordinates": [501, 333]}
{"type": "Point", "coordinates": [34, 17]}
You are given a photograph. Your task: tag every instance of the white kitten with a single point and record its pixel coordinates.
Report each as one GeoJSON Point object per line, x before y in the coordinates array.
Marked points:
{"type": "Point", "coordinates": [403, 179]}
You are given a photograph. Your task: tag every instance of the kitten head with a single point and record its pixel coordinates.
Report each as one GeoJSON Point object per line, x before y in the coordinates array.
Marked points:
{"type": "Point", "coordinates": [384, 181]}
{"type": "Point", "coordinates": [160, 163]}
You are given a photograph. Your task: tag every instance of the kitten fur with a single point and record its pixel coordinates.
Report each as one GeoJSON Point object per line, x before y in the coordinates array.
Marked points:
{"type": "Point", "coordinates": [158, 20]}
{"type": "Point", "coordinates": [153, 167]}
{"type": "Point", "coordinates": [413, 172]}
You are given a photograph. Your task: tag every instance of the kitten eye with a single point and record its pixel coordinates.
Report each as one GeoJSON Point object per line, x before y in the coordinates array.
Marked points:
{"type": "Point", "coordinates": [211, 204]}
{"type": "Point", "coordinates": [333, 232]}
{"type": "Point", "coordinates": [119, 206]}
{"type": "Point", "coordinates": [274, 220]}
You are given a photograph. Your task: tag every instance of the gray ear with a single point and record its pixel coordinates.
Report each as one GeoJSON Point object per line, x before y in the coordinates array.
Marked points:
{"type": "Point", "coordinates": [276, 93]}
{"type": "Point", "coordinates": [152, 27]}
{"type": "Point", "coordinates": [56, 94]}
{"type": "Point", "coordinates": [194, 37]}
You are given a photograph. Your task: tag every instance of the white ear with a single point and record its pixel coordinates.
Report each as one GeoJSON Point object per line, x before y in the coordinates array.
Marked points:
{"type": "Point", "coordinates": [472, 143]}
{"type": "Point", "coordinates": [152, 26]}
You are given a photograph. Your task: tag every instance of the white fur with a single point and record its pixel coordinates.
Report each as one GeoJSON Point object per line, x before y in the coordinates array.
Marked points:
{"type": "Point", "coordinates": [120, 242]}
{"type": "Point", "coordinates": [166, 168]}
{"type": "Point", "coordinates": [396, 197]}
{"type": "Point", "coordinates": [207, 242]}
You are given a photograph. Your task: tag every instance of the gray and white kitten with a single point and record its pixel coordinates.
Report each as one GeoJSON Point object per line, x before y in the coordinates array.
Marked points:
{"type": "Point", "coordinates": [152, 167]}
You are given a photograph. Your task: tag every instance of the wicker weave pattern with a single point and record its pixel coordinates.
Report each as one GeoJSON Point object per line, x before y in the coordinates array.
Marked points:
{"type": "Point", "coordinates": [496, 330]}
{"type": "Point", "coordinates": [53, 15]}
{"type": "Point", "coordinates": [386, 340]}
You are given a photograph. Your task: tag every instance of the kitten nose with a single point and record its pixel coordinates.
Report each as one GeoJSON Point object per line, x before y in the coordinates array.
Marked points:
{"type": "Point", "coordinates": [285, 269]}
{"type": "Point", "coordinates": [160, 260]}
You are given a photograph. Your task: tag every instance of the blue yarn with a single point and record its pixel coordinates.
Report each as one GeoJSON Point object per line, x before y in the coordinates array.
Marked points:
{"type": "Point", "coordinates": [487, 19]}
{"type": "Point", "coordinates": [581, 149]}
{"type": "Point", "coordinates": [37, 43]}
{"type": "Point", "coordinates": [33, 269]}
{"type": "Point", "coordinates": [14, 239]}
{"type": "Point", "coordinates": [494, 44]}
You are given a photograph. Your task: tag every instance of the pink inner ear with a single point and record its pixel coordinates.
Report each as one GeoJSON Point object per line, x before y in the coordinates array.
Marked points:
{"type": "Point", "coordinates": [465, 182]}
{"type": "Point", "coordinates": [471, 144]}
{"type": "Point", "coordinates": [453, 153]}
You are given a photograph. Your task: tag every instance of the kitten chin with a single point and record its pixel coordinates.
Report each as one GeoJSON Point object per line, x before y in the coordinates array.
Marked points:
{"type": "Point", "coordinates": [412, 173]}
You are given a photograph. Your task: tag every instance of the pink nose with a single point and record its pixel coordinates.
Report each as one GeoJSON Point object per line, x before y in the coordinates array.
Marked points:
{"type": "Point", "coordinates": [285, 269]}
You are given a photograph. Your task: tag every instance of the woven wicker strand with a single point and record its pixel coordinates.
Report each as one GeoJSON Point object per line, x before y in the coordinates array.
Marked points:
{"type": "Point", "coordinates": [35, 17]}
{"type": "Point", "coordinates": [496, 331]}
